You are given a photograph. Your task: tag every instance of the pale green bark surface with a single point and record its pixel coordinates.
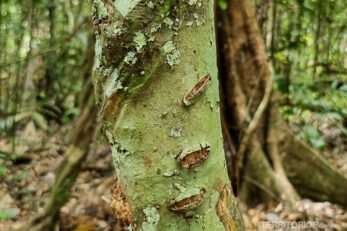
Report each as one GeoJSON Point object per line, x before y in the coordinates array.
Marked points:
{"type": "Point", "coordinates": [141, 81]}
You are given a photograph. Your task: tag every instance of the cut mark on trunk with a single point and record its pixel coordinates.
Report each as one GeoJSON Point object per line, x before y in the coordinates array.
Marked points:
{"type": "Point", "coordinates": [192, 158]}
{"type": "Point", "coordinates": [198, 88]}
{"type": "Point", "coordinates": [222, 209]}
{"type": "Point", "coordinates": [121, 208]}
{"type": "Point", "coordinates": [188, 200]}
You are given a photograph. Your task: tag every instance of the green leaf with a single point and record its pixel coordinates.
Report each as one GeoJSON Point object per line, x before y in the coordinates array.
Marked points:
{"type": "Point", "coordinates": [70, 115]}
{"type": "Point", "coordinates": [223, 4]}
{"type": "Point", "coordinates": [40, 121]}
{"type": "Point", "coordinates": [318, 143]}
{"type": "Point", "coordinates": [343, 88]}
{"type": "Point", "coordinates": [5, 215]}
{"type": "Point", "coordinates": [335, 116]}
{"type": "Point", "coordinates": [26, 192]}
{"type": "Point", "coordinates": [313, 136]}
{"type": "Point", "coordinates": [22, 175]}
{"type": "Point", "coordinates": [3, 170]}
{"type": "Point", "coordinates": [282, 84]}
{"type": "Point", "coordinates": [343, 131]}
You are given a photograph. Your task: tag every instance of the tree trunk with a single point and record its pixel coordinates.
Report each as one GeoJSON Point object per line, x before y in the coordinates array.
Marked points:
{"type": "Point", "coordinates": [271, 159]}
{"type": "Point", "coordinates": [317, 39]}
{"type": "Point", "coordinates": [51, 58]}
{"type": "Point", "coordinates": [157, 86]}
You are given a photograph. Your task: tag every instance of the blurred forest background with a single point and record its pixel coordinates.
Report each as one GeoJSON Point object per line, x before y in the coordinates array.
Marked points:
{"type": "Point", "coordinates": [46, 58]}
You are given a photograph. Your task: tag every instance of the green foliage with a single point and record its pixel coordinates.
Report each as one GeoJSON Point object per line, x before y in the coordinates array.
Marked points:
{"type": "Point", "coordinates": [3, 170]}
{"type": "Point", "coordinates": [43, 59]}
{"type": "Point", "coordinates": [344, 131]}
{"type": "Point", "coordinates": [308, 54]}
{"type": "Point", "coordinates": [22, 175]}
{"type": "Point", "coordinates": [282, 84]}
{"type": "Point", "coordinates": [69, 115]}
{"type": "Point", "coordinates": [223, 4]}
{"type": "Point", "coordinates": [8, 122]}
{"type": "Point", "coordinates": [313, 136]}
{"type": "Point", "coordinates": [5, 215]}
{"type": "Point", "coordinates": [312, 104]}
{"type": "Point", "coordinates": [26, 192]}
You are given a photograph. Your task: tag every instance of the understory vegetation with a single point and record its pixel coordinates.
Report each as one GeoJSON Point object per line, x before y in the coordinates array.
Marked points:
{"type": "Point", "coordinates": [104, 106]}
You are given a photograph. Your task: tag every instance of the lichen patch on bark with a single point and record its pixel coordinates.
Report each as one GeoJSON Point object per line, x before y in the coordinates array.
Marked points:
{"type": "Point", "coordinates": [152, 218]}
{"type": "Point", "coordinates": [124, 7]}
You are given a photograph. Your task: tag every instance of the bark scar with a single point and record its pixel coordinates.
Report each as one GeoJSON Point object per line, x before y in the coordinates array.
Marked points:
{"type": "Point", "coordinates": [188, 200]}
{"type": "Point", "coordinates": [187, 203]}
{"type": "Point", "coordinates": [197, 90]}
{"type": "Point", "coordinates": [191, 159]}
{"type": "Point", "coordinates": [222, 208]}
{"type": "Point", "coordinates": [121, 208]}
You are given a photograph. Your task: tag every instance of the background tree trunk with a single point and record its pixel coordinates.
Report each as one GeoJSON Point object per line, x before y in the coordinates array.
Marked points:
{"type": "Point", "coordinates": [273, 166]}
{"type": "Point", "coordinates": [168, 152]}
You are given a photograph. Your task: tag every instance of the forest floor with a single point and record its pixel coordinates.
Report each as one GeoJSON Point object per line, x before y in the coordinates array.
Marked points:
{"type": "Point", "coordinates": [24, 187]}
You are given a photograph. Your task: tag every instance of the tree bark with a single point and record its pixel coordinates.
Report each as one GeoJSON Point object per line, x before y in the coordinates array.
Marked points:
{"type": "Point", "coordinates": [317, 39]}
{"type": "Point", "coordinates": [273, 168]}
{"type": "Point", "coordinates": [51, 58]}
{"type": "Point", "coordinates": [157, 86]}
